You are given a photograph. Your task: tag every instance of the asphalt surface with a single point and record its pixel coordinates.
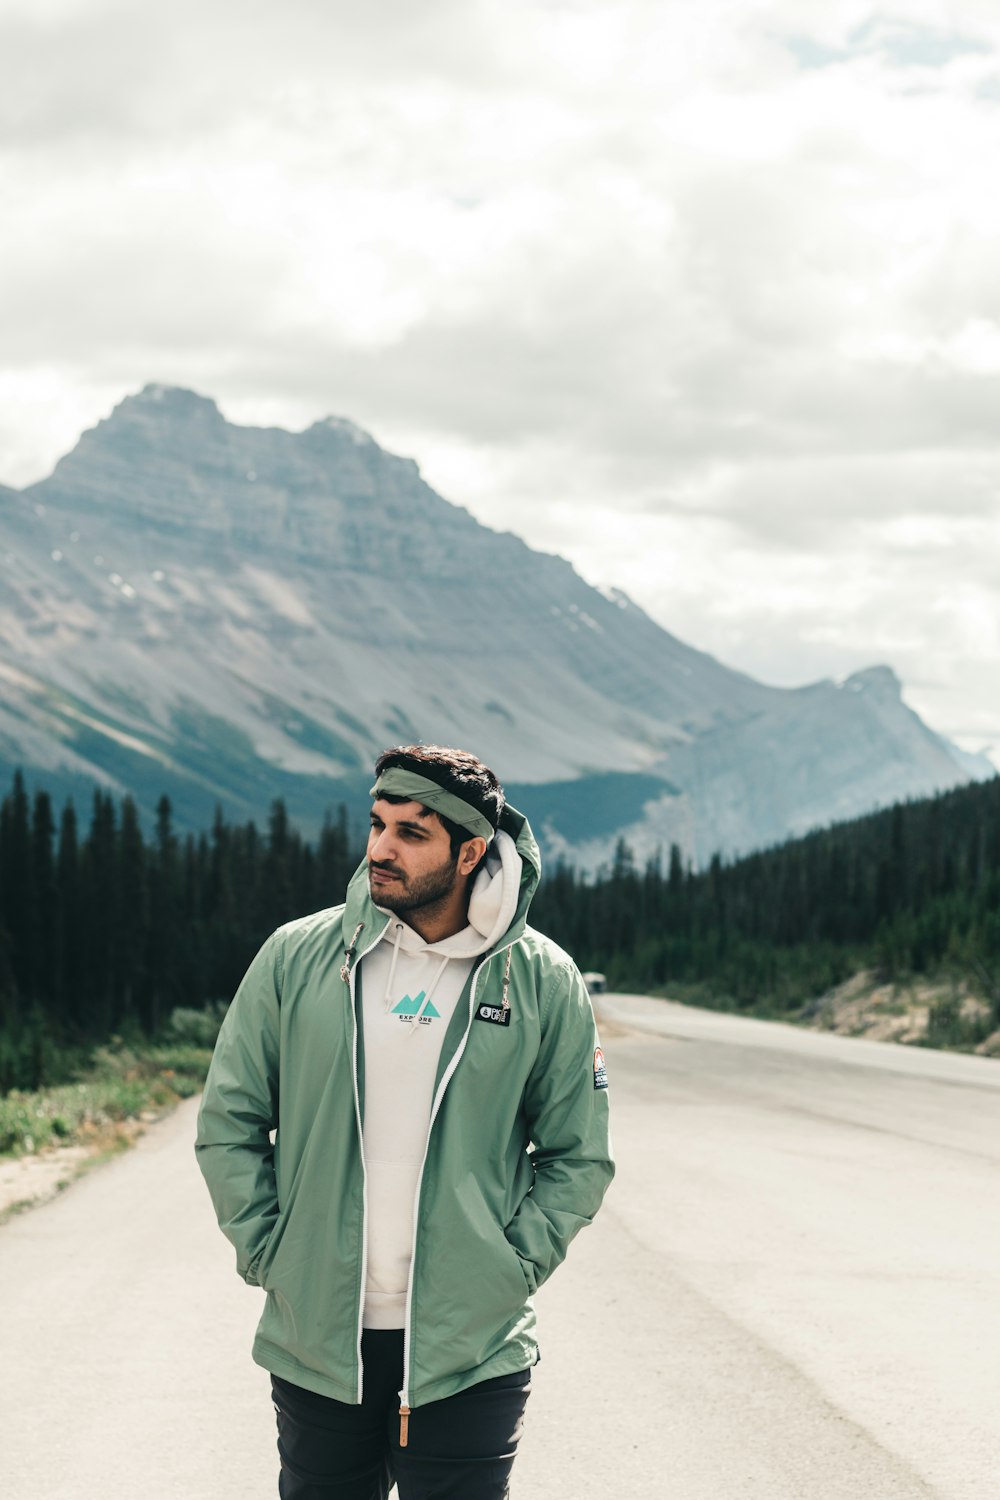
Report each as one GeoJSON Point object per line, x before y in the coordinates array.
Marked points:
{"type": "Point", "coordinates": [792, 1293]}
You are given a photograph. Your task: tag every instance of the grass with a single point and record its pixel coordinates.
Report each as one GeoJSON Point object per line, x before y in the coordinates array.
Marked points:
{"type": "Point", "coordinates": [938, 1011]}
{"type": "Point", "coordinates": [124, 1083]}
{"type": "Point", "coordinates": [13, 1209]}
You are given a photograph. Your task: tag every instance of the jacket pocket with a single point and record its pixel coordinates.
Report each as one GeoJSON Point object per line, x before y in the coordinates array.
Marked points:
{"type": "Point", "coordinates": [527, 1272]}
{"type": "Point", "coordinates": [265, 1262]}
{"type": "Point", "coordinates": [506, 1270]}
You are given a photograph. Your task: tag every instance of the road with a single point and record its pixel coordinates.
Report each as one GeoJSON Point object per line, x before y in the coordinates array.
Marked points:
{"type": "Point", "coordinates": [793, 1293]}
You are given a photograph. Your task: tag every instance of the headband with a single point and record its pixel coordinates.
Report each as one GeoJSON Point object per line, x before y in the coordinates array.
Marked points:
{"type": "Point", "coordinates": [416, 788]}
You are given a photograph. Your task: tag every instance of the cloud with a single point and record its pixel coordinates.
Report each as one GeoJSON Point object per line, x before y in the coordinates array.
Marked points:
{"type": "Point", "coordinates": [78, 72]}
{"type": "Point", "coordinates": [899, 42]}
{"type": "Point", "coordinates": [709, 303]}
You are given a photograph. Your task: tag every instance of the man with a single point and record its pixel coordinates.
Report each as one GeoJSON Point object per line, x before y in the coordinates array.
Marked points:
{"type": "Point", "coordinates": [431, 1069]}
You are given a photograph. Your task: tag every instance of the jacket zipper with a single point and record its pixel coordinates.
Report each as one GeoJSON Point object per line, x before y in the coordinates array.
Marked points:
{"type": "Point", "coordinates": [361, 1145]}
{"type": "Point", "coordinates": [404, 1395]}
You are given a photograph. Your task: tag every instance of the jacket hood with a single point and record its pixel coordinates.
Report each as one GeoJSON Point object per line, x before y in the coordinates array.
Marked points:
{"type": "Point", "coordinates": [496, 914]}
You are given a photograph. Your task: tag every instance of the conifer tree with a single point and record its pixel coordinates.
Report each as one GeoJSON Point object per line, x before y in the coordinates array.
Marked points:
{"type": "Point", "coordinates": [42, 933]}
{"type": "Point", "coordinates": [132, 918]}
{"type": "Point", "coordinates": [17, 884]}
{"type": "Point", "coordinates": [69, 940]}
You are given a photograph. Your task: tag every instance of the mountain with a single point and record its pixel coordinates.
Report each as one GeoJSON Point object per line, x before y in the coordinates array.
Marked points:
{"type": "Point", "coordinates": [230, 614]}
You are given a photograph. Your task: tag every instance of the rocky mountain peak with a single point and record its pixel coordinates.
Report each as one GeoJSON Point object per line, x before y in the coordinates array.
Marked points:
{"type": "Point", "coordinates": [169, 401]}
{"type": "Point", "coordinates": [879, 679]}
{"type": "Point", "coordinates": [343, 427]}
{"type": "Point", "coordinates": [167, 459]}
{"type": "Point", "coordinates": [232, 613]}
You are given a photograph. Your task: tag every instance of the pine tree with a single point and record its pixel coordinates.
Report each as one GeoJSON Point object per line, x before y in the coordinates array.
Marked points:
{"type": "Point", "coordinates": [17, 896]}
{"type": "Point", "coordinates": [44, 896]}
{"type": "Point", "coordinates": [132, 918]}
{"type": "Point", "coordinates": [165, 930]}
{"type": "Point", "coordinates": [69, 937]}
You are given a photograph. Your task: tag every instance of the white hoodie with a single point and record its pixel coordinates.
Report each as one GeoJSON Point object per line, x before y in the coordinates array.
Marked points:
{"type": "Point", "coordinates": [409, 992]}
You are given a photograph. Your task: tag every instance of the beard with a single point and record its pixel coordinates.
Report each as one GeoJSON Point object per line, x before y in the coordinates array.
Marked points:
{"type": "Point", "coordinates": [414, 893]}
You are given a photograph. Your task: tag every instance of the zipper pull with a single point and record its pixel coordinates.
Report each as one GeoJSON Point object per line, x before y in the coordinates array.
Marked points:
{"type": "Point", "coordinates": [404, 1426]}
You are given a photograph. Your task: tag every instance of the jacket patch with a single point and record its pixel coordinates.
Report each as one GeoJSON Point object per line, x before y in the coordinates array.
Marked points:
{"type": "Point", "coordinates": [497, 1015]}
{"type": "Point", "coordinates": [600, 1070]}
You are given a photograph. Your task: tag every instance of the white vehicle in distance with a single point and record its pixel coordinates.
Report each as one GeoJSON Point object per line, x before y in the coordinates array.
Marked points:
{"type": "Point", "coordinates": [596, 983]}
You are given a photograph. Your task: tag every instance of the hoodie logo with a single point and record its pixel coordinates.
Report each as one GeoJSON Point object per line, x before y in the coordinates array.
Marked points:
{"type": "Point", "coordinates": [498, 1015]}
{"type": "Point", "coordinates": [423, 1010]}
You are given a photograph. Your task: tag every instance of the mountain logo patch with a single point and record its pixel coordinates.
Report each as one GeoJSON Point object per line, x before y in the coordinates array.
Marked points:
{"type": "Point", "coordinates": [600, 1070]}
{"type": "Point", "coordinates": [424, 1010]}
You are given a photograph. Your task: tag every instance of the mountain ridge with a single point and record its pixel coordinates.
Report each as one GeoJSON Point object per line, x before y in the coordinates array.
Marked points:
{"type": "Point", "coordinates": [242, 610]}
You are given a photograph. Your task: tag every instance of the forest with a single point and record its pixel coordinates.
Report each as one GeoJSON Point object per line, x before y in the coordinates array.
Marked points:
{"type": "Point", "coordinates": [104, 931]}
{"type": "Point", "coordinates": [913, 890]}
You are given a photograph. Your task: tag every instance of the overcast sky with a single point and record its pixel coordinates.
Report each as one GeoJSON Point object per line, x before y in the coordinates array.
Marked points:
{"type": "Point", "coordinates": [705, 297]}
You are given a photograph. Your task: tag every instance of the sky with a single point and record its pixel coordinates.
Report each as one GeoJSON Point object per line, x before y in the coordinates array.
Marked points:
{"type": "Point", "coordinates": [705, 298]}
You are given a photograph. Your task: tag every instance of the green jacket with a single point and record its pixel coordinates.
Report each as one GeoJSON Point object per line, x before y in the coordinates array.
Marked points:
{"type": "Point", "coordinates": [517, 1157]}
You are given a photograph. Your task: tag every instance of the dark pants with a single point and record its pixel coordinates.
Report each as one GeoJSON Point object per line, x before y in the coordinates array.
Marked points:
{"type": "Point", "coordinates": [461, 1448]}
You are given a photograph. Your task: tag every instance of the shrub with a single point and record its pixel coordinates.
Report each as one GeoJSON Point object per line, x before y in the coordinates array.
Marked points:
{"type": "Point", "coordinates": [200, 1028]}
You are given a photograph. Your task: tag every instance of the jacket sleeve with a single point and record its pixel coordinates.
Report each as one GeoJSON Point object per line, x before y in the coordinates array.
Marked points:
{"type": "Point", "coordinates": [566, 1102]}
{"type": "Point", "coordinates": [239, 1109]}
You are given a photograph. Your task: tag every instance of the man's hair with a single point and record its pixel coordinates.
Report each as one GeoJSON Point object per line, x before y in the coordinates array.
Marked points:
{"type": "Point", "coordinates": [458, 771]}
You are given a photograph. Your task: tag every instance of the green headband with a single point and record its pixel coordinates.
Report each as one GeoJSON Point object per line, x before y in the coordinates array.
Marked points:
{"type": "Point", "coordinates": [416, 788]}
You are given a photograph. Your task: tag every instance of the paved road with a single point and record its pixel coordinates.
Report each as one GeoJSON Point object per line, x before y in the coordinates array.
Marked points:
{"type": "Point", "coordinates": [792, 1294]}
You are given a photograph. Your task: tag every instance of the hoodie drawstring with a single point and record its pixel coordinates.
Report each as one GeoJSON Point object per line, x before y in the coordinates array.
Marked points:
{"type": "Point", "coordinates": [431, 988]}
{"type": "Point", "coordinates": [387, 998]}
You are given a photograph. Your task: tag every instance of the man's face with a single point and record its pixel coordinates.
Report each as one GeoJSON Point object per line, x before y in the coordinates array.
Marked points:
{"type": "Point", "coordinates": [409, 857]}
